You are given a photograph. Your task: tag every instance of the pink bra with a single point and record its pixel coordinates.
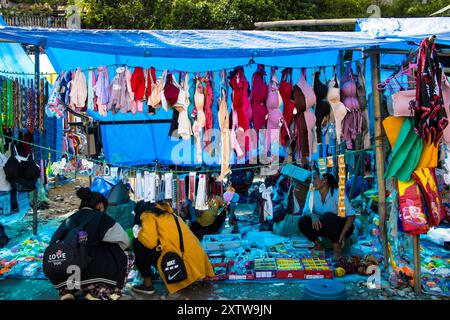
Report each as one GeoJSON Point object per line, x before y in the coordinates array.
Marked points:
{"type": "Point", "coordinates": [308, 92]}
{"type": "Point", "coordinates": [334, 94]}
{"type": "Point", "coordinates": [272, 101]}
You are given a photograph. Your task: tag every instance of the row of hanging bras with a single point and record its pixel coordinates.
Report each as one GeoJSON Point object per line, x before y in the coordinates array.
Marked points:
{"type": "Point", "coordinates": [322, 109]}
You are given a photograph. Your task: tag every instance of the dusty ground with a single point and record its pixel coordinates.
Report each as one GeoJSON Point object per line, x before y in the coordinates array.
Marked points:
{"type": "Point", "coordinates": [63, 202]}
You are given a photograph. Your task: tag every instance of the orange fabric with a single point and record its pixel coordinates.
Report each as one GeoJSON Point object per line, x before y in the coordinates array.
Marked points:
{"type": "Point", "coordinates": [392, 126]}
{"type": "Point", "coordinates": [429, 157]}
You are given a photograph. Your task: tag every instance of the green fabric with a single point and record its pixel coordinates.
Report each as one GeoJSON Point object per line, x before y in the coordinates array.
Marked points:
{"type": "Point", "coordinates": [406, 154]}
{"type": "Point", "coordinates": [122, 214]}
{"type": "Point", "coordinates": [410, 164]}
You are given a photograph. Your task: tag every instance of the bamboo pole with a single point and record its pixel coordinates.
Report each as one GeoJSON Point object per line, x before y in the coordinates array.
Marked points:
{"type": "Point", "coordinates": [380, 154]}
{"type": "Point", "coordinates": [416, 238]}
{"type": "Point", "coordinates": [417, 271]}
{"type": "Point", "coordinates": [37, 99]}
{"type": "Point", "coordinates": [304, 23]}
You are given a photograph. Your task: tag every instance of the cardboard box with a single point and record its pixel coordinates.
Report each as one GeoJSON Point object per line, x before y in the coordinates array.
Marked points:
{"type": "Point", "coordinates": [290, 268]}
{"type": "Point", "coordinates": [265, 268]}
{"type": "Point", "coordinates": [316, 268]}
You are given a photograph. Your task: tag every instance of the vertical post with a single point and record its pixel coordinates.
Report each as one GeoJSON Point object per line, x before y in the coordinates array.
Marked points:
{"type": "Point", "coordinates": [417, 276]}
{"type": "Point", "coordinates": [88, 147]}
{"type": "Point", "coordinates": [178, 197]}
{"type": "Point", "coordinates": [380, 154]}
{"type": "Point", "coordinates": [416, 238]}
{"type": "Point", "coordinates": [36, 100]}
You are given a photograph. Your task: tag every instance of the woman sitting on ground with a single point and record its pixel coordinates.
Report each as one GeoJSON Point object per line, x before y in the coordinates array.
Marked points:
{"type": "Point", "coordinates": [324, 221]}
{"type": "Point", "coordinates": [104, 277]}
{"type": "Point", "coordinates": [209, 221]}
{"type": "Point", "coordinates": [156, 233]}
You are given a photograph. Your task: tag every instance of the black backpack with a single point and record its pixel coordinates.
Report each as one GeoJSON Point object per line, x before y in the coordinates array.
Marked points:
{"type": "Point", "coordinates": [63, 253]}
{"type": "Point", "coordinates": [3, 237]}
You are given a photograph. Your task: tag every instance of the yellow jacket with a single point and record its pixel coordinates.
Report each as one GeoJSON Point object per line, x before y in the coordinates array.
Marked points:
{"type": "Point", "coordinates": [164, 228]}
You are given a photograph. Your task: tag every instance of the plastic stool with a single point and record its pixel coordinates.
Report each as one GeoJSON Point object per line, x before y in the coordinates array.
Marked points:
{"type": "Point", "coordinates": [325, 289]}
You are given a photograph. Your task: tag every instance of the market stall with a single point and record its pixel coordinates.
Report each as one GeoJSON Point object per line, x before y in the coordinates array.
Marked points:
{"type": "Point", "coordinates": [158, 96]}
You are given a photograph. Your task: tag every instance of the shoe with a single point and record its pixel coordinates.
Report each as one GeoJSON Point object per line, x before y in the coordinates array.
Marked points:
{"type": "Point", "coordinates": [125, 297]}
{"type": "Point", "coordinates": [67, 296]}
{"type": "Point", "coordinates": [140, 288]}
{"type": "Point", "coordinates": [91, 297]}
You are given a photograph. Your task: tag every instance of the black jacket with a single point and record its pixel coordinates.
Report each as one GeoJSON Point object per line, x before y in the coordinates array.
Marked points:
{"type": "Point", "coordinates": [109, 262]}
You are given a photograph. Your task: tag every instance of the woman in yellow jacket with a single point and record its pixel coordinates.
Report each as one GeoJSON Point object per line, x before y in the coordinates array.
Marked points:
{"type": "Point", "coordinates": [155, 234]}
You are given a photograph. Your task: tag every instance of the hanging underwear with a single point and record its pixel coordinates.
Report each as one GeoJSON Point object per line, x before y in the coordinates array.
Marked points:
{"type": "Point", "coordinates": [322, 109]}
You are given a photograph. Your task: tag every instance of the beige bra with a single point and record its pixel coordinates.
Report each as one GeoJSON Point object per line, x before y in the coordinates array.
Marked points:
{"type": "Point", "coordinates": [157, 88]}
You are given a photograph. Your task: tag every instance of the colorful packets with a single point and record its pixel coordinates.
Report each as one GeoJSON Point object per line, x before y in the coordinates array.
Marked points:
{"type": "Point", "coordinates": [342, 180]}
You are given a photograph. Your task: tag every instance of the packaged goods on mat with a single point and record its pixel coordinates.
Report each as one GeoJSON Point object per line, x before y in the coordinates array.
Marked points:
{"type": "Point", "coordinates": [222, 241]}
{"type": "Point", "coordinates": [279, 248]}
{"type": "Point", "coordinates": [301, 243]}
{"type": "Point", "coordinates": [217, 260]}
{"type": "Point", "coordinates": [241, 269]}
{"type": "Point", "coordinates": [316, 268]}
{"type": "Point", "coordinates": [220, 273]}
{"type": "Point", "coordinates": [23, 260]}
{"type": "Point", "coordinates": [289, 268]}
{"type": "Point", "coordinates": [265, 268]}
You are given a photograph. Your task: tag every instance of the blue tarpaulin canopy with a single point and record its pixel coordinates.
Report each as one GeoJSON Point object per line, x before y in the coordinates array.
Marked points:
{"type": "Point", "coordinates": [186, 50]}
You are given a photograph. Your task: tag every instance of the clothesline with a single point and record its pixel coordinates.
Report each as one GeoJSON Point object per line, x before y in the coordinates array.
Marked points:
{"type": "Point", "coordinates": [251, 62]}
{"type": "Point", "coordinates": [77, 157]}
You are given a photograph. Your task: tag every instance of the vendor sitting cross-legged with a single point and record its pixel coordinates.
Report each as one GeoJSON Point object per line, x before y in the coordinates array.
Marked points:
{"type": "Point", "coordinates": [324, 221]}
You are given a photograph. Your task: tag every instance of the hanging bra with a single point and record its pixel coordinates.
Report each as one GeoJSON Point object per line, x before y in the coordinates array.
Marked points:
{"type": "Point", "coordinates": [171, 91]}
{"type": "Point", "coordinates": [156, 89]}
{"type": "Point", "coordinates": [199, 96]}
{"type": "Point", "coordinates": [273, 99]}
{"type": "Point", "coordinates": [333, 94]}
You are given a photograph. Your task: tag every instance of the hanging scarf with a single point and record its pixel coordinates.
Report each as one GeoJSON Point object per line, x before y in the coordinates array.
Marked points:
{"type": "Point", "coordinates": [10, 106]}
{"type": "Point", "coordinates": [429, 113]}
{"type": "Point", "coordinates": [266, 194]}
{"type": "Point", "coordinates": [30, 108]}
{"type": "Point", "coordinates": [16, 103]}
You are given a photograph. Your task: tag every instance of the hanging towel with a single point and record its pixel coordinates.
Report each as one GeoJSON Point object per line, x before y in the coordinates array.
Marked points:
{"type": "Point", "coordinates": [192, 176]}
{"type": "Point", "coordinates": [201, 198]}
{"type": "Point", "coordinates": [168, 185]}
{"type": "Point", "coordinates": [266, 194]}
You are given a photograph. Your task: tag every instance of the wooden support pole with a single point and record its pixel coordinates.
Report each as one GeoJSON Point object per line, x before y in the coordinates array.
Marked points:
{"type": "Point", "coordinates": [36, 100]}
{"type": "Point", "coordinates": [304, 23]}
{"type": "Point", "coordinates": [417, 272]}
{"type": "Point", "coordinates": [380, 154]}
{"type": "Point", "coordinates": [88, 147]}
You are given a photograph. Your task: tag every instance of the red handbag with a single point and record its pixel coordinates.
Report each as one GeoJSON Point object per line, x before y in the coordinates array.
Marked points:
{"type": "Point", "coordinates": [426, 179]}
{"type": "Point", "coordinates": [412, 208]}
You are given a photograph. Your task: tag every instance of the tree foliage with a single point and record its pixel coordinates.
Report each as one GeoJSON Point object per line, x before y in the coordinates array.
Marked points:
{"type": "Point", "coordinates": [233, 14]}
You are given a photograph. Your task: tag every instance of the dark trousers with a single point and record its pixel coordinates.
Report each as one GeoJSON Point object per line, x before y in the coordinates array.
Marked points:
{"type": "Point", "coordinates": [145, 258]}
{"type": "Point", "coordinates": [213, 228]}
{"type": "Point", "coordinates": [332, 226]}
